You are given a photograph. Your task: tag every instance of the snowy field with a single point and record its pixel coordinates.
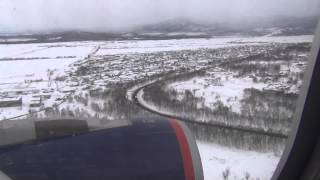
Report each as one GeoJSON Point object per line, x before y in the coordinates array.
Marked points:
{"type": "Point", "coordinates": [77, 49]}
{"type": "Point", "coordinates": [226, 87]}
{"type": "Point", "coordinates": [139, 46]}
{"type": "Point", "coordinates": [222, 87]}
{"type": "Point", "coordinates": [29, 70]}
{"type": "Point", "coordinates": [216, 160]}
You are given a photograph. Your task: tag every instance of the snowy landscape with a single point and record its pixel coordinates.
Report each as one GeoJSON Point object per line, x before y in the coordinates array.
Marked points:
{"type": "Point", "coordinates": [240, 92]}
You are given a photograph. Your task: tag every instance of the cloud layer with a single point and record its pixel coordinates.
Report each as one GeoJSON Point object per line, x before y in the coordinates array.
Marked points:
{"type": "Point", "coordinates": [114, 15]}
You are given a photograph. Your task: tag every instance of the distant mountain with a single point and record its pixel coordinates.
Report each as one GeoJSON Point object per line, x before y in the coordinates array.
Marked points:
{"type": "Point", "coordinates": [291, 26]}
{"type": "Point", "coordinates": [177, 25]}
{"type": "Point", "coordinates": [179, 29]}
{"type": "Point", "coordinates": [59, 37]}
{"type": "Point", "coordinates": [282, 25]}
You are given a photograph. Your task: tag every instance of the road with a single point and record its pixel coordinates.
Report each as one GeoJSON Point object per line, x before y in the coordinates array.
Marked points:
{"type": "Point", "coordinates": [138, 101]}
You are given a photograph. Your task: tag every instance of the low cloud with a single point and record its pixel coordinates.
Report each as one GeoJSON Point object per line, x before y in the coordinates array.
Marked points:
{"type": "Point", "coordinates": [116, 15]}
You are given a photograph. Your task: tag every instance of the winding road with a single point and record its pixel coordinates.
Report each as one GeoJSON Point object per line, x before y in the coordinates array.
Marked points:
{"type": "Point", "coordinates": [136, 92]}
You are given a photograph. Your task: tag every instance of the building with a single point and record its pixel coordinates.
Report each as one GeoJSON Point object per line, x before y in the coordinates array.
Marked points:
{"type": "Point", "coordinates": [11, 101]}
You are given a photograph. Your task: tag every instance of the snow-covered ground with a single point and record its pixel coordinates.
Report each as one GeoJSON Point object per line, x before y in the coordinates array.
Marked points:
{"type": "Point", "coordinates": [29, 79]}
{"type": "Point", "coordinates": [217, 159]}
{"type": "Point", "coordinates": [25, 69]}
{"type": "Point", "coordinates": [29, 71]}
{"type": "Point", "coordinates": [18, 71]}
{"type": "Point", "coordinates": [136, 46]}
{"type": "Point", "coordinates": [46, 50]}
{"type": "Point", "coordinates": [143, 46]}
{"type": "Point", "coordinates": [223, 86]}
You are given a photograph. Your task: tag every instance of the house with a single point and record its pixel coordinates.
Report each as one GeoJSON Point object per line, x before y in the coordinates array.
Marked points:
{"type": "Point", "coordinates": [36, 102]}
{"type": "Point", "coordinates": [11, 101]}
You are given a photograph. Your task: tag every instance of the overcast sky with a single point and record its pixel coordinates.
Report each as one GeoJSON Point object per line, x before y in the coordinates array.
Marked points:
{"type": "Point", "coordinates": [106, 15]}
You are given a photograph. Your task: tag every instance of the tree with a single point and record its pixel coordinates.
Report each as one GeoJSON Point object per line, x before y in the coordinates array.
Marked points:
{"type": "Point", "coordinates": [226, 174]}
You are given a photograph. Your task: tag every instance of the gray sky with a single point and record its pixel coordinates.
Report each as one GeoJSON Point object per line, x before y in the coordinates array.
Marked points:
{"type": "Point", "coordinates": [106, 15]}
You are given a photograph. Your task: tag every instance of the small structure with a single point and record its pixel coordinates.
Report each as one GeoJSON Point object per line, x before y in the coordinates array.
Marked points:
{"type": "Point", "coordinates": [42, 96]}
{"type": "Point", "coordinates": [36, 103]}
{"type": "Point", "coordinates": [68, 90]}
{"type": "Point", "coordinates": [11, 101]}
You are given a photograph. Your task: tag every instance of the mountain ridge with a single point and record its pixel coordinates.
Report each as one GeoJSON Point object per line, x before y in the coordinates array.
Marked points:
{"type": "Point", "coordinates": [179, 29]}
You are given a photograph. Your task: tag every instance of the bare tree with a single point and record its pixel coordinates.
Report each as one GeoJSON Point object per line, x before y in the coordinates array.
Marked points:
{"type": "Point", "coordinates": [226, 174]}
